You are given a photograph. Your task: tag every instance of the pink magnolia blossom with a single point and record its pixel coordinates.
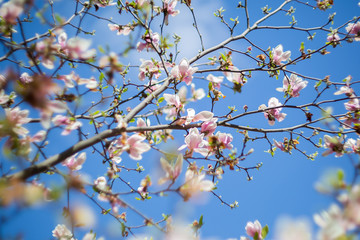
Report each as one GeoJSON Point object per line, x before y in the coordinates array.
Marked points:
{"type": "Point", "coordinates": [25, 78]}
{"type": "Point", "coordinates": [69, 79]}
{"type": "Point", "coordinates": [62, 38]}
{"type": "Point", "coordinates": [279, 55]}
{"type": "Point", "coordinates": [152, 85]}
{"type": "Point", "coordinates": [195, 142]}
{"type": "Point", "coordinates": [181, 231]}
{"type": "Point", "coordinates": [111, 60]}
{"type": "Point", "coordinates": [39, 136]}
{"type": "Point", "coordinates": [37, 94]}
{"type": "Point", "coordinates": [172, 171]}
{"type": "Point", "coordinates": [195, 183]}
{"type": "Point", "coordinates": [333, 38]}
{"type": "Point", "coordinates": [133, 145]}
{"type": "Point", "coordinates": [351, 201]}
{"type": "Point", "coordinates": [45, 52]}
{"type": "Point", "coordinates": [3, 97]}
{"type": "Point", "coordinates": [334, 145]}
{"type": "Point", "coordinates": [280, 145]}
{"type": "Point", "coordinates": [74, 48]}
{"type": "Point", "coordinates": [174, 106]}
{"type": "Point", "coordinates": [3, 81]}
{"type": "Point", "coordinates": [354, 28]}
{"type": "Point", "coordinates": [216, 81]}
{"type": "Point", "coordinates": [50, 108]}
{"type": "Point", "coordinates": [347, 90]}
{"type": "Point", "coordinates": [274, 113]}
{"type": "Point", "coordinates": [171, 113]}
{"type": "Point", "coordinates": [196, 94]}
{"type": "Point", "coordinates": [116, 148]}
{"type": "Point", "coordinates": [145, 183]}
{"type": "Point", "coordinates": [70, 124]}
{"type": "Point", "coordinates": [349, 120]}
{"type": "Point", "coordinates": [75, 163]}
{"type": "Point", "coordinates": [293, 229]}
{"type": "Point", "coordinates": [182, 94]}
{"type": "Point", "coordinates": [15, 118]}
{"type": "Point", "coordinates": [11, 10]}
{"type": "Point", "coordinates": [124, 30]}
{"type": "Point", "coordinates": [287, 145]}
{"type": "Point", "coordinates": [61, 232]}
{"type": "Point", "coordinates": [141, 123]}
{"type": "Point", "coordinates": [169, 9]}
{"type": "Point", "coordinates": [332, 223]}
{"type": "Point", "coordinates": [353, 145]}
{"type": "Point", "coordinates": [78, 48]}
{"type": "Point", "coordinates": [234, 76]}
{"type": "Point", "coordinates": [252, 228]}
{"type": "Point", "coordinates": [183, 71]}
{"type": "Point", "coordinates": [37, 91]}
{"type": "Point", "coordinates": [90, 236]}
{"type": "Point", "coordinates": [104, 3]}
{"type": "Point", "coordinates": [101, 183]}
{"type": "Point", "coordinates": [293, 85]}
{"type": "Point", "coordinates": [225, 140]}
{"type": "Point", "coordinates": [151, 40]}
{"type": "Point", "coordinates": [353, 105]}
{"type": "Point", "coordinates": [203, 116]}
{"type": "Point", "coordinates": [150, 68]}
{"type": "Point", "coordinates": [173, 100]}
{"type": "Point", "coordinates": [192, 117]}
{"type": "Point", "coordinates": [23, 146]}
{"type": "Point", "coordinates": [136, 146]}
{"type": "Point", "coordinates": [89, 83]}
{"type": "Point", "coordinates": [208, 127]}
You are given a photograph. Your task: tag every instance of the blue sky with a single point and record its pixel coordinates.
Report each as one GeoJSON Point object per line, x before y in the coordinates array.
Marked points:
{"type": "Point", "coordinates": [284, 185]}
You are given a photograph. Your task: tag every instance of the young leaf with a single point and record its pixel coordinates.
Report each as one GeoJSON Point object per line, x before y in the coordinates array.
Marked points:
{"type": "Point", "coordinates": [264, 231]}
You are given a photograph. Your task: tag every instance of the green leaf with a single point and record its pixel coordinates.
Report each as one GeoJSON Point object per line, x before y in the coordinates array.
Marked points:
{"type": "Point", "coordinates": [106, 212]}
{"type": "Point", "coordinates": [201, 221]}
{"type": "Point", "coordinates": [223, 56]}
{"type": "Point", "coordinates": [161, 100]}
{"type": "Point", "coordinates": [302, 47]}
{"type": "Point", "coordinates": [318, 84]}
{"type": "Point", "coordinates": [59, 19]}
{"type": "Point", "coordinates": [101, 49]}
{"type": "Point", "coordinates": [340, 175]}
{"type": "Point", "coordinates": [264, 231]}
{"type": "Point", "coordinates": [101, 77]}
{"type": "Point", "coordinates": [123, 229]}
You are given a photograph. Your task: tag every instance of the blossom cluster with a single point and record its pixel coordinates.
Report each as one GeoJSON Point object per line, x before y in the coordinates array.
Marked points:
{"type": "Point", "coordinates": [73, 48]}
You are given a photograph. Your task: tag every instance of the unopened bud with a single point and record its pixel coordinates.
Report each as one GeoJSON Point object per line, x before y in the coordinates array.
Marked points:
{"type": "Point", "coordinates": [245, 108]}
{"type": "Point", "coordinates": [250, 151]}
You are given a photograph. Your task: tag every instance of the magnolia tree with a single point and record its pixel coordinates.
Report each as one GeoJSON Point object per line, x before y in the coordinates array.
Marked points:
{"type": "Point", "coordinates": [122, 107]}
